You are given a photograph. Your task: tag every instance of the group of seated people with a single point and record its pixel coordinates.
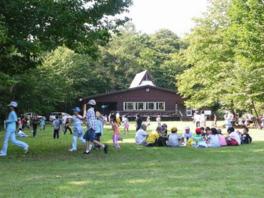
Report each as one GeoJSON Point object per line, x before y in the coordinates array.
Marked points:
{"type": "Point", "coordinates": [202, 138]}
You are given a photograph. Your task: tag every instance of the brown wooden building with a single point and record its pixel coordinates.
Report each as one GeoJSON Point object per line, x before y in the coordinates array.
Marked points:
{"type": "Point", "coordinates": [142, 97]}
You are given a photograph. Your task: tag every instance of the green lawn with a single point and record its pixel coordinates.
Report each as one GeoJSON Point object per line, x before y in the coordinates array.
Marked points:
{"type": "Point", "coordinates": [49, 170]}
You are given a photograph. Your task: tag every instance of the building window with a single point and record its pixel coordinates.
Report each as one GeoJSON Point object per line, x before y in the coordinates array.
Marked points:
{"type": "Point", "coordinates": [141, 106]}
{"type": "Point", "coordinates": [129, 106]}
{"type": "Point", "coordinates": [144, 106]}
{"type": "Point", "coordinates": [161, 106]}
{"type": "Point", "coordinates": [150, 106]}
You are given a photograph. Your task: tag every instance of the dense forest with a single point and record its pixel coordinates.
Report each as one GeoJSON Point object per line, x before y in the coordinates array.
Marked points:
{"type": "Point", "coordinates": [55, 52]}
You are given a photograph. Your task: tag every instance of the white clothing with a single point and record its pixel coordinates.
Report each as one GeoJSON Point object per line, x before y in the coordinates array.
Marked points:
{"type": "Point", "coordinates": [173, 140]}
{"type": "Point", "coordinates": [213, 141]}
{"type": "Point", "coordinates": [141, 136]}
{"type": "Point", "coordinates": [234, 135]}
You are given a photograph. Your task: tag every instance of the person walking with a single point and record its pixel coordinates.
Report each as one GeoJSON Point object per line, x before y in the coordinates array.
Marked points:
{"type": "Point", "coordinates": [67, 126]}
{"type": "Point", "coordinates": [10, 125]}
{"type": "Point", "coordinates": [91, 127]}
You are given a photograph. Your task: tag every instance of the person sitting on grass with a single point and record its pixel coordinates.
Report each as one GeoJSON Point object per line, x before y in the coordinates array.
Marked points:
{"type": "Point", "coordinates": [213, 139]}
{"type": "Point", "coordinates": [246, 139]}
{"type": "Point", "coordinates": [221, 137]}
{"type": "Point", "coordinates": [173, 138]}
{"type": "Point", "coordinates": [77, 121]}
{"type": "Point", "coordinates": [20, 133]}
{"type": "Point", "coordinates": [187, 134]}
{"type": "Point", "coordinates": [198, 139]}
{"type": "Point", "coordinates": [233, 138]}
{"type": "Point", "coordinates": [163, 135]}
{"type": "Point", "coordinates": [141, 135]}
{"type": "Point", "coordinates": [152, 139]}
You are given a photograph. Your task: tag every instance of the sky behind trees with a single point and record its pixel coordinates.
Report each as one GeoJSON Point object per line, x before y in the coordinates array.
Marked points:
{"type": "Point", "coordinates": [151, 15]}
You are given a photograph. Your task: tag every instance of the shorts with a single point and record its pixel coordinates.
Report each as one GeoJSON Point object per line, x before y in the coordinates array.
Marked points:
{"type": "Point", "coordinates": [97, 136]}
{"type": "Point", "coordinates": [89, 135]}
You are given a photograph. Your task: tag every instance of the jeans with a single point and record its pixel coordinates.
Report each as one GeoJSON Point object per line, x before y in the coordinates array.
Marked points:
{"type": "Point", "coordinates": [56, 133]}
{"type": "Point", "coordinates": [10, 134]}
{"type": "Point", "coordinates": [74, 141]}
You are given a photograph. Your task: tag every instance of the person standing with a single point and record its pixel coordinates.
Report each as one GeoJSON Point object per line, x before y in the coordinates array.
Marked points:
{"type": "Point", "coordinates": [67, 126]}
{"type": "Point", "coordinates": [139, 122]}
{"type": "Point", "coordinates": [35, 125]}
{"type": "Point", "coordinates": [42, 123]}
{"type": "Point", "coordinates": [56, 127]}
{"type": "Point", "coordinates": [10, 125]}
{"type": "Point", "coordinates": [89, 136]}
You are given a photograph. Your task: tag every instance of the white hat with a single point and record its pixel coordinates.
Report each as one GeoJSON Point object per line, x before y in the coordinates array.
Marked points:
{"type": "Point", "coordinates": [13, 104]}
{"type": "Point", "coordinates": [92, 102]}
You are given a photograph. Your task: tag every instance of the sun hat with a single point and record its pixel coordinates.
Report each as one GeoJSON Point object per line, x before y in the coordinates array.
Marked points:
{"type": "Point", "coordinates": [13, 104]}
{"type": "Point", "coordinates": [76, 109]}
{"type": "Point", "coordinates": [92, 102]}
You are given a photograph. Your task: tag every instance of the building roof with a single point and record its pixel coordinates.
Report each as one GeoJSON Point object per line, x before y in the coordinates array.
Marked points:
{"type": "Point", "coordinates": [131, 89]}
{"type": "Point", "coordinates": [141, 79]}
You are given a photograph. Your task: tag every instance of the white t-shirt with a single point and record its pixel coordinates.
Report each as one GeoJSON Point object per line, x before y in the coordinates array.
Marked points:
{"type": "Point", "coordinates": [173, 140]}
{"type": "Point", "coordinates": [213, 141]}
{"type": "Point", "coordinates": [141, 136]}
{"type": "Point", "coordinates": [235, 135]}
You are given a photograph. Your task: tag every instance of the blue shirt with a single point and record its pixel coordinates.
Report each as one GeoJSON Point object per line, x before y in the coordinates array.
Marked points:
{"type": "Point", "coordinates": [76, 122]}
{"type": "Point", "coordinates": [90, 118]}
{"type": "Point", "coordinates": [11, 121]}
{"type": "Point", "coordinates": [99, 126]}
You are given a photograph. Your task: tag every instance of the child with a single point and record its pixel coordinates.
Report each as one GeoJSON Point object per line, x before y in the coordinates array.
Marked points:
{"type": "Point", "coordinates": [10, 127]}
{"type": "Point", "coordinates": [221, 137]}
{"type": "Point", "coordinates": [98, 126]}
{"type": "Point", "coordinates": [56, 127]}
{"type": "Point", "coordinates": [21, 134]}
{"type": "Point", "coordinates": [233, 138]}
{"type": "Point", "coordinates": [213, 139]}
{"type": "Point", "coordinates": [126, 124]}
{"type": "Point", "coordinates": [116, 133]}
{"type": "Point", "coordinates": [67, 126]}
{"type": "Point", "coordinates": [198, 139]}
{"type": "Point", "coordinates": [42, 123]}
{"type": "Point", "coordinates": [173, 138]}
{"type": "Point", "coordinates": [153, 137]}
{"type": "Point", "coordinates": [187, 134]}
{"type": "Point", "coordinates": [246, 139]}
{"type": "Point", "coordinates": [141, 135]}
{"type": "Point", "coordinates": [77, 129]}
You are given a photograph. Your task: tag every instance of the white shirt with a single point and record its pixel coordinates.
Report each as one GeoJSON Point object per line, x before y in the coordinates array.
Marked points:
{"type": "Point", "coordinates": [235, 135]}
{"type": "Point", "coordinates": [173, 140]}
{"type": "Point", "coordinates": [141, 136]}
{"type": "Point", "coordinates": [213, 141]}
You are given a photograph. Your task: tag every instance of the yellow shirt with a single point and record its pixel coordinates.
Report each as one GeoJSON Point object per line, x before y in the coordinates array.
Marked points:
{"type": "Point", "coordinates": [152, 137]}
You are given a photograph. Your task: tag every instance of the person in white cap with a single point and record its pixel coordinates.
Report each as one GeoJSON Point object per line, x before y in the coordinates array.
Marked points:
{"type": "Point", "coordinates": [77, 129]}
{"type": "Point", "coordinates": [91, 127]}
{"type": "Point", "coordinates": [10, 131]}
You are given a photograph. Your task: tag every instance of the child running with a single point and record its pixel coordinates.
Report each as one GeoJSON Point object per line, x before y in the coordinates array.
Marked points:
{"type": "Point", "coordinates": [10, 125]}
{"type": "Point", "coordinates": [77, 129]}
{"type": "Point", "coordinates": [116, 133]}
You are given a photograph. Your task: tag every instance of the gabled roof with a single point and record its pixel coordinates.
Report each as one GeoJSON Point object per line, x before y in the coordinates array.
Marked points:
{"type": "Point", "coordinates": [126, 90]}
{"type": "Point", "coordinates": [141, 79]}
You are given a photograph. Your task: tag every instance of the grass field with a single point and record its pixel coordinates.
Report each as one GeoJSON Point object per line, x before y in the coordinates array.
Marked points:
{"type": "Point", "coordinates": [49, 170]}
